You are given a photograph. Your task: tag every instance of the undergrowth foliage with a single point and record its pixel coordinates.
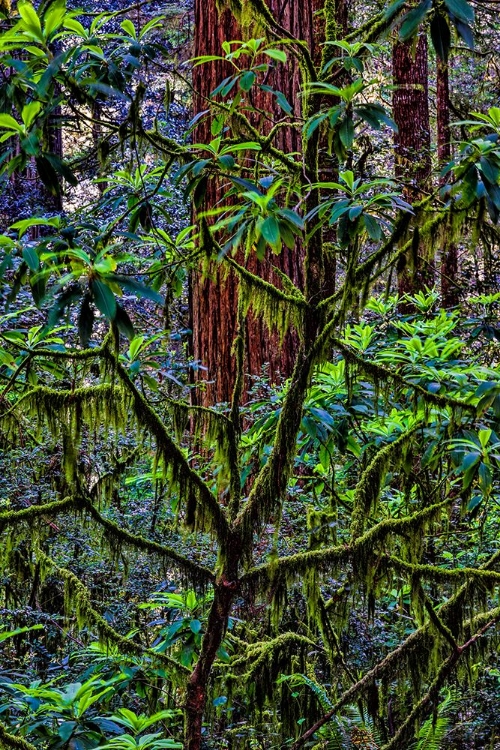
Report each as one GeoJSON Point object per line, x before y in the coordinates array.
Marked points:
{"type": "Point", "coordinates": [365, 488]}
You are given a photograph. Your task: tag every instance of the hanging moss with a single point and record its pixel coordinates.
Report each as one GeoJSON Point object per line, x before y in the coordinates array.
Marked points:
{"type": "Point", "coordinates": [8, 740]}
{"type": "Point", "coordinates": [263, 662]}
{"type": "Point", "coordinates": [197, 574]}
{"type": "Point", "coordinates": [379, 373]}
{"type": "Point", "coordinates": [77, 602]}
{"type": "Point", "coordinates": [12, 517]}
{"type": "Point", "coordinates": [368, 487]}
{"type": "Point", "coordinates": [202, 509]}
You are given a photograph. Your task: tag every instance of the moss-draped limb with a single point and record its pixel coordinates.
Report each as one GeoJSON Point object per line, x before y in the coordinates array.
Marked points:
{"type": "Point", "coordinates": [10, 517]}
{"type": "Point", "coordinates": [79, 596]}
{"type": "Point", "coordinates": [367, 490]}
{"type": "Point", "coordinates": [189, 481]}
{"type": "Point", "coordinates": [214, 430]}
{"type": "Point", "coordinates": [416, 641]}
{"type": "Point", "coordinates": [279, 309]}
{"type": "Point", "coordinates": [293, 166]}
{"type": "Point", "coordinates": [364, 275]}
{"type": "Point", "coordinates": [50, 403]}
{"type": "Point", "coordinates": [379, 373]}
{"type": "Point", "coordinates": [420, 640]}
{"type": "Point", "coordinates": [192, 569]}
{"type": "Point", "coordinates": [358, 34]}
{"type": "Point", "coordinates": [442, 575]}
{"type": "Point", "coordinates": [301, 563]}
{"type": "Point", "coordinates": [440, 626]}
{"type": "Point", "coordinates": [257, 654]}
{"type": "Point", "coordinates": [271, 482]}
{"type": "Point", "coordinates": [8, 740]}
{"type": "Point", "coordinates": [296, 299]}
{"type": "Point", "coordinates": [406, 729]}
{"type": "Point", "coordinates": [71, 354]}
{"type": "Point", "coordinates": [168, 145]}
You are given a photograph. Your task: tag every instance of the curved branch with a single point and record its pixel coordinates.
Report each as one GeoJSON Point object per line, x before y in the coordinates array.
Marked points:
{"type": "Point", "coordinates": [420, 639]}
{"type": "Point", "coordinates": [368, 487]}
{"type": "Point", "coordinates": [297, 300]}
{"type": "Point", "coordinates": [381, 373]}
{"type": "Point", "coordinates": [407, 727]}
{"type": "Point", "coordinates": [86, 613]}
{"type": "Point", "coordinates": [199, 492]}
{"type": "Point", "coordinates": [16, 743]}
{"type": "Point", "coordinates": [302, 562]}
{"type": "Point", "coordinates": [10, 517]}
{"type": "Point", "coordinates": [139, 542]}
{"type": "Point", "coordinates": [433, 573]}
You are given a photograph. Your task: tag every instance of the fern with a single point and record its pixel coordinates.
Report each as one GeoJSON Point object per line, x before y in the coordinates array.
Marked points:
{"type": "Point", "coordinates": [433, 730]}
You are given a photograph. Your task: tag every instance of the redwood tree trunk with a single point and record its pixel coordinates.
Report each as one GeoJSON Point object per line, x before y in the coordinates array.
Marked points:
{"type": "Point", "coordinates": [449, 257]}
{"type": "Point", "coordinates": [412, 145]}
{"type": "Point", "coordinates": [213, 302]}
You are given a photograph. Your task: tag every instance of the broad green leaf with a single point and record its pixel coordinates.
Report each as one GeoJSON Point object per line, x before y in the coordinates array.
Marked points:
{"type": "Point", "coordinates": [270, 230]}
{"type": "Point", "coordinates": [30, 18]}
{"type": "Point", "coordinates": [413, 19]}
{"type": "Point", "coordinates": [104, 299]}
{"type": "Point", "coordinates": [9, 123]}
{"type": "Point", "coordinates": [441, 36]}
{"type": "Point", "coordinates": [247, 80]}
{"type": "Point", "coordinates": [24, 224]}
{"type": "Point", "coordinates": [129, 28]}
{"type": "Point", "coordinates": [30, 256]}
{"type": "Point", "coordinates": [461, 10]}
{"type": "Point", "coordinates": [276, 54]}
{"type": "Point", "coordinates": [30, 112]}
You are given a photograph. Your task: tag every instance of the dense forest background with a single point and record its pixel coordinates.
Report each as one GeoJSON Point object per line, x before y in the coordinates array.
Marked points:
{"type": "Point", "coordinates": [249, 375]}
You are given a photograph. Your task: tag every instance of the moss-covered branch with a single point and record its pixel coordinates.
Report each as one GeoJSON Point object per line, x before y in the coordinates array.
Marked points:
{"type": "Point", "coordinates": [296, 299]}
{"type": "Point", "coordinates": [442, 575]}
{"type": "Point", "coordinates": [202, 507]}
{"type": "Point", "coordinates": [8, 740]}
{"type": "Point", "coordinates": [406, 729]}
{"type": "Point", "coordinates": [193, 570]}
{"type": "Point", "coordinates": [271, 483]}
{"type": "Point", "coordinates": [11, 517]}
{"type": "Point", "coordinates": [77, 597]}
{"type": "Point", "coordinates": [381, 374]}
{"type": "Point", "coordinates": [417, 645]}
{"type": "Point", "coordinates": [367, 490]}
{"type": "Point", "coordinates": [263, 576]}
{"type": "Point", "coordinates": [258, 654]}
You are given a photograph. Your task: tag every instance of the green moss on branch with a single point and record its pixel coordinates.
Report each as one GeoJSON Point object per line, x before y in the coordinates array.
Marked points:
{"type": "Point", "coordinates": [197, 573]}
{"type": "Point", "coordinates": [8, 741]}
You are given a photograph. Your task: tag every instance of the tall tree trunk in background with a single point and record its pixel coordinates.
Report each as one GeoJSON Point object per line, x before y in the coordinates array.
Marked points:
{"type": "Point", "coordinates": [214, 304]}
{"type": "Point", "coordinates": [449, 257]}
{"type": "Point", "coordinates": [412, 144]}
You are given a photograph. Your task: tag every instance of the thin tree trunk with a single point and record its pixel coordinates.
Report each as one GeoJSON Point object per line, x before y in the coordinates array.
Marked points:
{"type": "Point", "coordinates": [449, 257]}
{"type": "Point", "coordinates": [412, 145]}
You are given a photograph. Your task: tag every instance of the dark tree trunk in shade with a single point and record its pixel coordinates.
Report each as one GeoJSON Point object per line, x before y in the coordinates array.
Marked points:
{"type": "Point", "coordinates": [214, 302]}
{"type": "Point", "coordinates": [449, 258]}
{"type": "Point", "coordinates": [412, 144]}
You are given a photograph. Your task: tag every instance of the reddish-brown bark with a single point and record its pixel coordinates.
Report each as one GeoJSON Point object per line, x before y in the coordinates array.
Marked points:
{"type": "Point", "coordinates": [213, 301]}
{"type": "Point", "coordinates": [412, 144]}
{"type": "Point", "coordinates": [449, 257]}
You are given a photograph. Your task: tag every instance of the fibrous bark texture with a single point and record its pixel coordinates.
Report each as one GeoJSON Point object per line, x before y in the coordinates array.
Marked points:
{"type": "Point", "coordinates": [449, 257]}
{"type": "Point", "coordinates": [213, 301]}
{"type": "Point", "coordinates": [412, 145]}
